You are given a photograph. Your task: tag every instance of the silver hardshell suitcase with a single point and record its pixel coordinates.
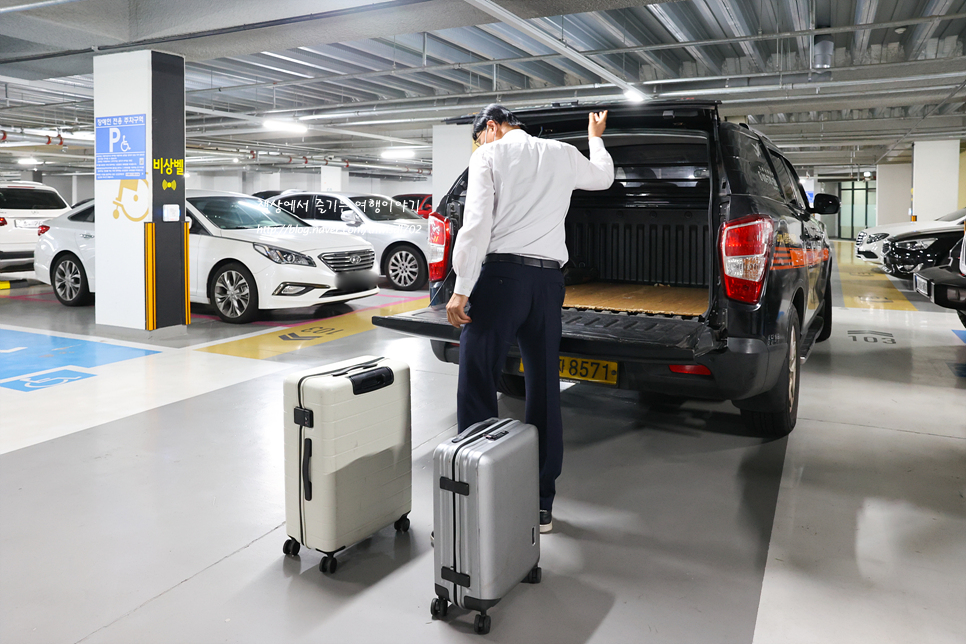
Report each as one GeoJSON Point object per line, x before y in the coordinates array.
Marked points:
{"type": "Point", "coordinates": [348, 454]}
{"type": "Point", "coordinates": [486, 515]}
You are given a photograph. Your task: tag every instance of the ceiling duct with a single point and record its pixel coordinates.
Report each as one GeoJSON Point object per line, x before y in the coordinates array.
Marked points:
{"type": "Point", "coordinates": [823, 51]}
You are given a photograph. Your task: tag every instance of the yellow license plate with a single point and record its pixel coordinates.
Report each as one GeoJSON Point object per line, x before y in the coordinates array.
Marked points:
{"type": "Point", "coordinates": [583, 369]}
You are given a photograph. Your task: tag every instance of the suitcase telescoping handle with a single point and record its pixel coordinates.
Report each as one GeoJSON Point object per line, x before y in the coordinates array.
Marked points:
{"type": "Point", "coordinates": [306, 457]}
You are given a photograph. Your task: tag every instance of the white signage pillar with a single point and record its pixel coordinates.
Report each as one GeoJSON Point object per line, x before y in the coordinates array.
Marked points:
{"type": "Point", "coordinates": [141, 263]}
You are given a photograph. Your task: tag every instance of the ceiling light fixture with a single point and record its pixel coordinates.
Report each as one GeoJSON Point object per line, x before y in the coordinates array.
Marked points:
{"type": "Point", "coordinates": [235, 160]}
{"type": "Point", "coordinates": [398, 153]}
{"type": "Point", "coordinates": [29, 161]}
{"type": "Point", "coordinates": [635, 96]}
{"type": "Point", "coordinates": [285, 126]}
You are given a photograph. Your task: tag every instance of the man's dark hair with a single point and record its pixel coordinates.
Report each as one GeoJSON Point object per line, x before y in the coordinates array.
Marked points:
{"type": "Point", "coordinates": [496, 113]}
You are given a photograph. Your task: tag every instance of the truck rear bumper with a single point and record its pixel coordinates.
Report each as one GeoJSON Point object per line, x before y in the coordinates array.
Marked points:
{"type": "Point", "coordinates": [745, 367]}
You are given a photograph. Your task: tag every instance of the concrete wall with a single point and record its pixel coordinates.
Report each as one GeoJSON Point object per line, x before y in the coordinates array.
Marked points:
{"type": "Point", "coordinates": [893, 197]}
{"type": "Point", "coordinates": [388, 187]}
{"type": "Point", "coordinates": [337, 179]}
{"type": "Point", "coordinates": [935, 178]}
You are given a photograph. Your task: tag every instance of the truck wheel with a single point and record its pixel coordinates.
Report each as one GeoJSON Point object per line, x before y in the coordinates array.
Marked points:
{"type": "Point", "coordinates": [962, 316]}
{"type": "Point", "coordinates": [826, 331]}
{"type": "Point", "coordinates": [512, 385]}
{"type": "Point", "coordinates": [784, 395]}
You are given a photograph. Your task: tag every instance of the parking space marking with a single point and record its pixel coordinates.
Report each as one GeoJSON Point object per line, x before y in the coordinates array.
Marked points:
{"type": "Point", "coordinates": [283, 340]}
{"type": "Point", "coordinates": [25, 353]}
{"type": "Point", "coordinates": [864, 288]}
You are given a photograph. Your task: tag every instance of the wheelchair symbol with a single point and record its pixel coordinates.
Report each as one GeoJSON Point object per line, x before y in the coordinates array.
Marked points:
{"type": "Point", "coordinates": [42, 383]}
{"type": "Point", "coordinates": [125, 146]}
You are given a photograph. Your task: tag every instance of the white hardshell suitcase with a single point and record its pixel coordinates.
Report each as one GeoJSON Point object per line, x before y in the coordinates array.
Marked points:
{"type": "Point", "coordinates": [348, 454]}
{"type": "Point", "coordinates": [486, 514]}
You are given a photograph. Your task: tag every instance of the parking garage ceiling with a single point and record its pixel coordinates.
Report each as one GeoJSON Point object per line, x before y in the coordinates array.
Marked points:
{"type": "Point", "coordinates": [839, 85]}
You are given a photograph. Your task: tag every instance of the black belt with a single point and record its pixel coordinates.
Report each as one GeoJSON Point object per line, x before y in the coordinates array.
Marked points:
{"type": "Point", "coordinates": [520, 259]}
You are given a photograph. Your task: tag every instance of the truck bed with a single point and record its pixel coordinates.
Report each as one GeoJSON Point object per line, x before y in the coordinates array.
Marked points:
{"type": "Point", "coordinates": [638, 298]}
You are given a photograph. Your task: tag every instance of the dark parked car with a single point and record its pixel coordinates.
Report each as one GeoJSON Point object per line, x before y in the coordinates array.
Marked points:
{"type": "Point", "coordinates": [421, 203]}
{"type": "Point", "coordinates": [701, 272]}
{"type": "Point", "coordinates": [903, 255]}
{"type": "Point", "coordinates": [267, 194]}
{"type": "Point", "coordinates": [945, 285]}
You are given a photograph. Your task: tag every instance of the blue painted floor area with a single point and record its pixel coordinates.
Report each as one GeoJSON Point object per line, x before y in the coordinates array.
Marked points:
{"type": "Point", "coordinates": [961, 334]}
{"type": "Point", "coordinates": [24, 353]}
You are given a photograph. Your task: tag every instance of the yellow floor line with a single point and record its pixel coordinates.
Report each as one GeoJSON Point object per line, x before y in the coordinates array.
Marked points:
{"type": "Point", "coordinates": [864, 286]}
{"type": "Point", "coordinates": [278, 341]}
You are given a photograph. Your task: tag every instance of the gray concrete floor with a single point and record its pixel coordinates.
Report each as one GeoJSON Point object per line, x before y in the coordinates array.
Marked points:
{"type": "Point", "coordinates": [671, 524]}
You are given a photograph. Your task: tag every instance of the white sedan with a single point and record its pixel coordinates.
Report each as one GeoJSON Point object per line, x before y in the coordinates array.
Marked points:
{"type": "Point", "coordinates": [868, 243]}
{"type": "Point", "coordinates": [244, 255]}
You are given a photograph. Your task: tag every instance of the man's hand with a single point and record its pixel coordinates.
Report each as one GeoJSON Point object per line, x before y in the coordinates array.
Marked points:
{"type": "Point", "coordinates": [454, 310]}
{"type": "Point", "coordinates": [597, 123]}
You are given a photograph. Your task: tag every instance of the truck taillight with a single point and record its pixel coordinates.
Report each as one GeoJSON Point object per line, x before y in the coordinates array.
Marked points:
{"type": "Point", "coordinates": [438, 247]}
{"type": "Point", "coordinates": [41, 229]}
{"type": "Point", "coordinates": [746, 246]}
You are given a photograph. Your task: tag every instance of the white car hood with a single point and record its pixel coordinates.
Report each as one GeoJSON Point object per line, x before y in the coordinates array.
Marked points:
{"type": "Point", "coordinates": [912, 227]}
{"type": "Point", "coordinates": [312, 239]}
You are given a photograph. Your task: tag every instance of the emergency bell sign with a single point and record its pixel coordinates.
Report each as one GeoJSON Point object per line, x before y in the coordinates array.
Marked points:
{"type": "Point", "coordinates": [119, 147]}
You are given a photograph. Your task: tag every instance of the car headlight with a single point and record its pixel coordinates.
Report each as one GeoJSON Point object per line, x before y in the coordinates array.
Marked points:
{"type": "Point", "coordinates": [282, 256]}
{"type": "Point", "coordinates": [871, 239]}
{"type": "Point", "coordinates": [916, 244]}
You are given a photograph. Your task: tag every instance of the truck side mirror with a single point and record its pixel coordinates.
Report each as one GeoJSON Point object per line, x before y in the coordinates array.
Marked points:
{"type": "Point", "coordinates": [825, 204]}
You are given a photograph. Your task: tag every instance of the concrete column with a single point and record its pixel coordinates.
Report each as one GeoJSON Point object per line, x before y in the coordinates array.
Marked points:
{"type": "Point", "coordinates": [452, 148]}
{"type": "Point", "coordinates": [935, 178]}
{"type": "Point", "coordinates": [141, 264]}
{"type": "Point", "coordinates": [331, 178]}
{"type": "Point", "coordinates": [893, 193]}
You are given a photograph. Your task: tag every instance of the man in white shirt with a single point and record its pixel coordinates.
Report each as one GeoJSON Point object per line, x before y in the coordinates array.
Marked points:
{"type": "Point", "coordinates": [507, 259]}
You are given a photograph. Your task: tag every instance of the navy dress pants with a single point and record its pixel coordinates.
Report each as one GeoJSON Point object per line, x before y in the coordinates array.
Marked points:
{"type": "Point", "coordinates": [514, 303]}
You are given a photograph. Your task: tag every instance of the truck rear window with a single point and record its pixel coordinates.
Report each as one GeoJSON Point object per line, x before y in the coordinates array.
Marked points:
{"type": "Point", "coordinates": [30, 199]}
{"type": "Point", "coordinates": [655, 167]}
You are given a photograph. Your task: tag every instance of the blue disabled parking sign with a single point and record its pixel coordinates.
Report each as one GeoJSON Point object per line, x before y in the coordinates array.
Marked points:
{"type": "Point", "coordinates": [119, 147]}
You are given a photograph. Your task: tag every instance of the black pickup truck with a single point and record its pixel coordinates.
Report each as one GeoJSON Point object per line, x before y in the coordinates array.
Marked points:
{"type": "Point", "coordinates": [702, 271]}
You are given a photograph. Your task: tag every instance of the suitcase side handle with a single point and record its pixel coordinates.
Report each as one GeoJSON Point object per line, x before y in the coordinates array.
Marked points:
{"type": "Point", "coordinates": [306, 457]}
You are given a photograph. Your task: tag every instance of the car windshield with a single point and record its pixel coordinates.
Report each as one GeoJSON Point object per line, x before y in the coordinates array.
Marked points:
{"type": "Point", "coordinates": [953, 216]}
{"type": "Point", "coordinates": [234, 213]}
{"type": "Point", "coordinates": [379, 208]}
{"type": "Point", "coordinates": [30, 199]}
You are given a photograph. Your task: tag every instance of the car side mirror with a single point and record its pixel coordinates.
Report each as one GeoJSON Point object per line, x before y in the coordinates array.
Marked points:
{"type": "Point", "coordinates": [190, 221]}
{"type": "Point", "coordinates": [350, 217]}
{"type": "Point", "coordinates": [824, 204]}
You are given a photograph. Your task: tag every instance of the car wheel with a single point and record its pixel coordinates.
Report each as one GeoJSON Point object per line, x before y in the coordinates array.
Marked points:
{"type": "Point", "coordinates": [962, 316]}
{"type": "Point", "coordinates": [406, 268]}
{"type": "Point", "coordinates": [70, 281]}
{"type": "Point", "coordinates": [234, 294]}
{"type": "Point", "coordinates": [512, 385]}
{"type": "Point", "coordinates": [777, 409]}
{"type": "Point", "coordinates": [826, 331]}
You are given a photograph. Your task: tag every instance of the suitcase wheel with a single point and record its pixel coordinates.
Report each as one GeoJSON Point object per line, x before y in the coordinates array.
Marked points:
{"type": "Point", "coordinates": [439, 607]}
{"type": "Point", "coordinates": [291, 547]}
{"type": "Point", "coordinates": [329, 564]}
{"type": "Point", "coordinates": [534, 576]}
{"type": "Point", "coordinates": [402, 524]}
{"type": "Point", "coordinates": [482, 624]}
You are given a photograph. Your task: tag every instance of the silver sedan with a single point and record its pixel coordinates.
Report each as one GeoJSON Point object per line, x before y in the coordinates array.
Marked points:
{"type": "Point", "coordinates": [399, 236]}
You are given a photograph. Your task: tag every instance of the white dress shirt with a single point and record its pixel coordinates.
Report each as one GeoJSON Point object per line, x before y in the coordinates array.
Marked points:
{"type": "Point", "coordinates": [518, 197]}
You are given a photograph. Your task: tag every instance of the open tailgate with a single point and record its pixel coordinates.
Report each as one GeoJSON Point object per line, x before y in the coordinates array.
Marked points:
{"type": "Point", "coordinates": [585, 333]}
